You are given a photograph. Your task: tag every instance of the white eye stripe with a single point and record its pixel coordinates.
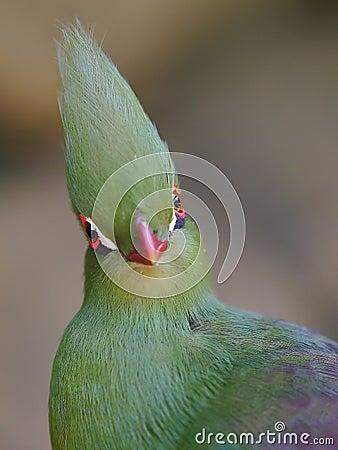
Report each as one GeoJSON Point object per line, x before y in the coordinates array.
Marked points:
{"type": "Point", "coordinates": [172, 222]}
{"type": "Point", "coordinates": [103, 239]}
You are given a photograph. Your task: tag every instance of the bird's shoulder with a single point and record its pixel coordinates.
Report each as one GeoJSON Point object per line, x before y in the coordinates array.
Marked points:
{"type": "Point", "coordinates": [278, 372]}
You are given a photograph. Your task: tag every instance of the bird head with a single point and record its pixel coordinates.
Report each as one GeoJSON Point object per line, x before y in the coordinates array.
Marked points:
{"type": "Point", "coordinates": [120, 176]}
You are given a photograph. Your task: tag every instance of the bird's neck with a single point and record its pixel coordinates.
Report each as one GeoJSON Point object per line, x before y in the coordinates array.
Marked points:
{"type": "Point", "coordinates": [131, 354]}
{"type": "Point", "coordinates": [105, 298]}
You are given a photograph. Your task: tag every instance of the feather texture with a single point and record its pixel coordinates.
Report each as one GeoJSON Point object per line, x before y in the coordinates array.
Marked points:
{"type": "Point", "coordinates": [134, 372]}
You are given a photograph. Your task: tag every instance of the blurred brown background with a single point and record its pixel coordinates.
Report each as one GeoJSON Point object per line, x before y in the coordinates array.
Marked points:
{"type": "Point", "coordinates": [249, 85]}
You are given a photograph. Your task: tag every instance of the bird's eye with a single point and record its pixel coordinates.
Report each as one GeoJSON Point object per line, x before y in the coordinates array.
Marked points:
{"type": "Point", "coordinates": [95, 238]}
{"type": "Point", "coordinates": [179, 211]}
{"type": "Point", "coordinates": [90, 232]}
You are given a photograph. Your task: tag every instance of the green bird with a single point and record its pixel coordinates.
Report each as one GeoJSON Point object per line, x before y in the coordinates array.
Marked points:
{"type": "Point", "coordinates": [152, 360]}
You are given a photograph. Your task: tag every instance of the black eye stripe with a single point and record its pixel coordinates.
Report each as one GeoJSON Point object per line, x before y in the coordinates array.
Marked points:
{"type": "Point", "coordinates": [87, 228]}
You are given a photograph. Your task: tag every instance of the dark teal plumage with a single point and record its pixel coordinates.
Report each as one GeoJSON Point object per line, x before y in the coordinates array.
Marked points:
{"type": "Point", "coordinates": [149, 373]}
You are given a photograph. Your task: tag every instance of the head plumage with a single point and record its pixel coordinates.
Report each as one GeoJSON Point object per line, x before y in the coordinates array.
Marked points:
{"type": "Point", "coordinates": [104, 123]}
{"type": "Point", "coordinates": [105, 128]}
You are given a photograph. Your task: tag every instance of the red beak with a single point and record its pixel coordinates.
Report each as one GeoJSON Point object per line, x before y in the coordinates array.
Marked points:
{"type": "Point", "coordinates": [148, 248]}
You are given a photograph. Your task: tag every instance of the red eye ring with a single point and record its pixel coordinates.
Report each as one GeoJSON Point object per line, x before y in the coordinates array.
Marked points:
{"type": "Point", "coordinates": [95, 244]}
{"type": "Point", "coordinates": [85, 223]}
{"type": "Point", "coordinates": [83, 220]}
